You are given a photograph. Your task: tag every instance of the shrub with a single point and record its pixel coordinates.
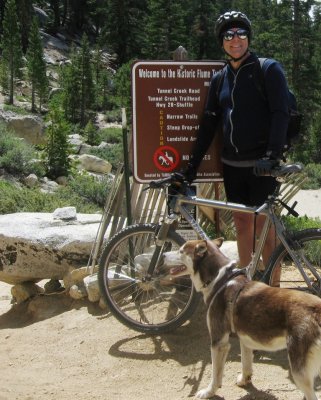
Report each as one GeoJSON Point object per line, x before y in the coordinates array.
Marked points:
{"type": "Point", "coordinates": [91, 134]}
{"type": "Point", "coordinates": [16, 156]}
{"type": "Point", "coordinates": [313, 172]}
{"type": "Point", "coordinates": [14, 199]}
{"type": "Point", "coordinates": [15, 109]}
{"type": "Point", "coordinates": [111, 135]}
{"type": "Point", "coordinates": [90, 189]}
{"type": "Point", "coordinates": [300, 223]}
{"type": "Point", "coordinates": [114, 154]}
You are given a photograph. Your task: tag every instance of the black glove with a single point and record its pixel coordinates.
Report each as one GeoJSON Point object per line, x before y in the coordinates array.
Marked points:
{"type": "Point", "coordinates": [264, 166]}
{"type": "Point", "coordinates": [189, 173]}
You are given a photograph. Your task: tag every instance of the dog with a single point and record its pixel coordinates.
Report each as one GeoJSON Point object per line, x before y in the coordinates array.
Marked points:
{"type": "Point", "coordinates": [263, 317]}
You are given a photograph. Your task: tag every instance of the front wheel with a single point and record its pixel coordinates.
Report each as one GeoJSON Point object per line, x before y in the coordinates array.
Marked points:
{"type": "Point", "coordinates": [150, 304]}
{"type": "Point", "coordinates": [307, 245]}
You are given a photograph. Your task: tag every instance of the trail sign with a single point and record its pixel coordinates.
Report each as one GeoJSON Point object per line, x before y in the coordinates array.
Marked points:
{"type": "Point", "coordinates": [168, 101]}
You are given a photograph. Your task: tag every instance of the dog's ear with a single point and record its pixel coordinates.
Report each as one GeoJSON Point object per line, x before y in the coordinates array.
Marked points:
{"type": "Point", "coordinates": [218, 241]}
{"type": "Point", "coordinates": [201, 248]}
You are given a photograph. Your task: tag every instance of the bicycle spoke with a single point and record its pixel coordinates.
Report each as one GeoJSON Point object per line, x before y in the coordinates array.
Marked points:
{"type": "Point", "coordinates": [149, 303]}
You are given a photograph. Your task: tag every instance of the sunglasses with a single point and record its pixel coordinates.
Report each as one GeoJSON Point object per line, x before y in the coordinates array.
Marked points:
{"type": "Point", "coordinates": [240, 33]}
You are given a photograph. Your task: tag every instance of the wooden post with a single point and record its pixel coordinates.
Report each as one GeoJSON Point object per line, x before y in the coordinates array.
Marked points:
{"type": "Point", "coordinates": [180, 54]}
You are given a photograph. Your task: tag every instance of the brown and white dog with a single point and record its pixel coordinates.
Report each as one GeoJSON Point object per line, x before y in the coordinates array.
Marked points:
{"type": "Point", "coordinates": [263, 317]}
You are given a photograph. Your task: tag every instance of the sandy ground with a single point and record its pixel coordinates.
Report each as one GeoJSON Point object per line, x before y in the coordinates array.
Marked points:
{"type": "Point", "coordinates": [54, 348]}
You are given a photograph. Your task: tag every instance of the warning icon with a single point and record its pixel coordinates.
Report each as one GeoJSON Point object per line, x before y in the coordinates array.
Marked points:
{"type": "Point", "coordinates": [166, 158]}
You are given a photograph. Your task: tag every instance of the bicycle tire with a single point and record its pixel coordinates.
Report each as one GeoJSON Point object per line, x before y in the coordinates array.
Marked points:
{"type": "Point", "coordinates": [309, 241]}
{"type": "Point", "coordinates": [158, 305]}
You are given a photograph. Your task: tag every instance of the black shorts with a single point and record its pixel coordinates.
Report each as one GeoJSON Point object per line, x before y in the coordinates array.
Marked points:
{"type": "Point", "coordinates": [242, 186]}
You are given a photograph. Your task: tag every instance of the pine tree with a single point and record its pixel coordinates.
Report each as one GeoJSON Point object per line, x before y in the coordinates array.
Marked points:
{"type": "Point", "coordinates": [124, 28]}
{"type": "Point", "coordinates": [11, 47]}
{"type": "Point", "coordinates": [24, 8]}
{"type": "Point", "coordinates": [200, 21]}
{"type": "Point", "coordinates": [78, 85]}
{"type": "Point", "coordinates": [165, 28]}
{"type": "Point", "coordinates": [36, 66]}
{"type": "Point", "coordinates": [71, 86]}
{"type": "Point", "coordinates": [86, 79]}
{"type": "Point", "coordinates": [57, 148]}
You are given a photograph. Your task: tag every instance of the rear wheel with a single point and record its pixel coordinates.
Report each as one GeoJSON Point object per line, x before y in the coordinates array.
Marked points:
{"type": "Point", "coordinates": [150, 304]}
{"type": "Point", "coordinates": [307, 244]}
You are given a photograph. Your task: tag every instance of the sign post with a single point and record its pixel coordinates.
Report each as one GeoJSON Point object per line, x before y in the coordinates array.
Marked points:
{"type": "Point", "coordinates": [168, 101]}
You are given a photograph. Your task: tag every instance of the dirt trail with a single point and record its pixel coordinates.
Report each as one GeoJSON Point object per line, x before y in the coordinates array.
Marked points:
{"type": "Point", "coordinates": [55, 348]}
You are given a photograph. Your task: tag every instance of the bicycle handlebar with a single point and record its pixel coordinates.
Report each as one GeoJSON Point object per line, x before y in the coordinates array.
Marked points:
{"type": "Point", "coordinates": [283, 170]}
{"type": "Point", "coordinates": [174, 178]}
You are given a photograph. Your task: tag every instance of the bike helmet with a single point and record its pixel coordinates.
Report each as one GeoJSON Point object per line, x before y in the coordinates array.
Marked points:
{"type": "Point", "coordinates": [232, 19]}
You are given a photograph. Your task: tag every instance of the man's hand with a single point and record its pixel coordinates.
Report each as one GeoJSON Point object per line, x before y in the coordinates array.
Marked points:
{"type": "Point", "coordinates": [264, 166]}
{"type": "Point", "coordinates": [189, 173]}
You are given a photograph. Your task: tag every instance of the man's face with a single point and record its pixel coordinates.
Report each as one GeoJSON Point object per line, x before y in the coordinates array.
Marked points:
{"type": "Point", "coordinates": [236, 47]}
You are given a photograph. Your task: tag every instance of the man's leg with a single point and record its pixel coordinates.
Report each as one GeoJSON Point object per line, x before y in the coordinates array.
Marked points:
{"type": "Point", "coordinates": [244, 236]}
{"type": "Point", "coordinates": [269, 247]}
{"type": "Point", "coordinates": [244, 224]}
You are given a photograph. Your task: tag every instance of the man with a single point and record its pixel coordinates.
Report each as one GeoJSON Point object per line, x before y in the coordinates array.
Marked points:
{"type": "Point", "coordinates": [254, 128]}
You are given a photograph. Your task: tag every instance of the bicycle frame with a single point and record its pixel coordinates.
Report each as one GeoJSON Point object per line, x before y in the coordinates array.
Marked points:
{"type": "Point", "coordinates": [271, 220]}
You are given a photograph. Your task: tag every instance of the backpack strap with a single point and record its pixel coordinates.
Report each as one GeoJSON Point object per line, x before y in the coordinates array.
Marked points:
{"type": "Point", "coordinates": [260, 68]}
{"type": "Point", "coordinates": [221, 73]}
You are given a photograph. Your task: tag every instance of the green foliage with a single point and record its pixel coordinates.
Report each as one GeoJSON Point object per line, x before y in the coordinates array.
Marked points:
{"type": "Point", "coordinates": [11, 47]}
{"type": "Point", "coordinates": [78, 86]}
{"type": "Point", "coordinates": [71, 88]}
{"type": "Point", "coordinates": [15, 109]}
{"type": "Point", "coordinates": [57, 149]}
{"type": "Point", "coordinates": [16, 156]}
{"type": "Point", "coordinates": [300, 223]}
{"type": "Point", "coordinates": [91, 134]}
{"type": "Point", "coordinates": [86, 80]}
{"type": "Point", "coordinates": [165, 27]}
{"type": "Point", "coordinates": [111, 135]}
{"type": "Point", "coordinates": [90, 188]}
{"type": "Point", "coordinates": [14, 199]}
{"type": "Point", "coordinates": [36, 67]}
{"type": "Point", "coordinates": [122, 82]}
{"type": "Point", "coordinates": [313, 172]}
{"type": "Point", "coordinates": [113, 115]}
{"type": "Point", "coordinates": [114, 154]}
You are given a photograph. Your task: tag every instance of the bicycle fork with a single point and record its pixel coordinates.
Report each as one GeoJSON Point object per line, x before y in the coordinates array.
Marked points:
{"type": "Point", "coordinates": [160, 239]}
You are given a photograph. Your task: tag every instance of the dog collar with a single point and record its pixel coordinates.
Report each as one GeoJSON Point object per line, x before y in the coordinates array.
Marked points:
{"type": "Point", "coordinates": [235, 272]}
{"type": "Point", "coordinates": [221, 284]}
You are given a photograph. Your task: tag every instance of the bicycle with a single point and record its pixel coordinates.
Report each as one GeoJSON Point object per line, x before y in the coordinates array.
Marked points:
{"type": "Point", "coordinates": [138, 288]}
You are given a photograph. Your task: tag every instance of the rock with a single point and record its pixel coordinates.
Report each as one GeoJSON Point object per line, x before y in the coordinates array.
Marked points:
{"type": "Point", "coordinates": [62, 180]}
{"type": "Point", "coordinates": [75, 277]}
{"type": "Point", "coordinates": [48, 186]}
{"type": "Point", "coordinates": [23, 291]}
{"type": "Point", "coordinates": [65, 213]}
{"type": "Point", "coordinates": [53, 286]}
{"type": "Point", "coordinates": [34, 246]}
{"type": "Point", "coordinates": [75, 141]}
{"type": "Point", "coordinates": [28, 127]}
{"type": "Point", "coordinates": [77, 292]}
{"type": "Point", "coordinates": [92, 288]}
{"type": "Point", "coordinates": [229, 248]}
{"type": "Point", "coordinates": [102, 304]}
{"type": "Point", "coordinates": [85, 148]}
{"type": "Point", "coordinates": [31, 180]}
{"type": "Point", "coordinates": [94, 164]}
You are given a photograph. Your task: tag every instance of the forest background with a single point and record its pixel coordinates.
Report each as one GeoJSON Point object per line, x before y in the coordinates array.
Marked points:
{"type": "Point", "coordinates": [107, 35]}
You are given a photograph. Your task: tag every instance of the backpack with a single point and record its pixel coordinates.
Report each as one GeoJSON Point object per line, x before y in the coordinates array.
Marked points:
{"type": "Point", "coordinates": [259, 78]}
